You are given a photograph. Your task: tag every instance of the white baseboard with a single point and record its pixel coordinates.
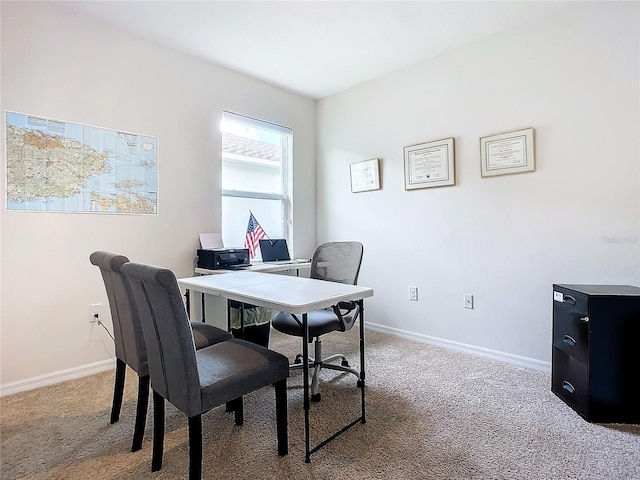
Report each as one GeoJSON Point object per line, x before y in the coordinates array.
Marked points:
{"type": "Point", "coordinates": [56, 377]}
{"type": "Point", "coordinates": [484, 352]}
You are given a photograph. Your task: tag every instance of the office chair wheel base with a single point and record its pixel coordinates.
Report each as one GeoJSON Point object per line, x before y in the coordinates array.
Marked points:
{"type": "Point", "coordinates": [315, 397]}
{"type": "Point", "coordinates": [345, 363]}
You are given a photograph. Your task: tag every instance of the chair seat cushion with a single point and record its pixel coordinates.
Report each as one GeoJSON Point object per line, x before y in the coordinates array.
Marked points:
{"type": "Point", "coordinates": [205, 335]}
{"type": "Point", "coordinates": [233, 368]}
{"type": "Point", "coordinates": [320, 322]}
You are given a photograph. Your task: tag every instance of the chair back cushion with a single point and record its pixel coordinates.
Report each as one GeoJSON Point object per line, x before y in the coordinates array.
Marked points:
{"type": "Point", "coordinates": [171, 351]}
{"type": "Point", "coordinates": [337, 262]}
{"type": "Point", "coordinates": [127, 330]}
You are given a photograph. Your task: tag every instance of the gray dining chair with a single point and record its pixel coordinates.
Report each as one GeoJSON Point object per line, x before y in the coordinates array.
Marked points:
{"type": "Point", "coordinates": [333, 262]}
{"type": "Point", "coordinates": [197, 381]}
{"type": "Point", "coordinates": [129, 342]}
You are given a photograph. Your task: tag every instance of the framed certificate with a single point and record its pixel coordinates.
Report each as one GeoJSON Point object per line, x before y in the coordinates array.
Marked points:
{"type": "Point", "coordinates": [505, 153]}
{"type": "Point", "coordinates": [430, 164]}
{"type": "Point", "coordinates": [365, 175]}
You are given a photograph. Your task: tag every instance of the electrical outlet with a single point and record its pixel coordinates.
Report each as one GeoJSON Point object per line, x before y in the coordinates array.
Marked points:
{"type": "Point", "coordinates": [94, 312]}
{"type": "Point", "coordinates": [413, 293]}
{"type": "Point", "coordinates": [468, 301]}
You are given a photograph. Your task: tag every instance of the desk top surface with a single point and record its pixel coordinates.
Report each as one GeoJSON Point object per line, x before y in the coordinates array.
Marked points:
{"type": "Point", "coordinates": [279, 292]}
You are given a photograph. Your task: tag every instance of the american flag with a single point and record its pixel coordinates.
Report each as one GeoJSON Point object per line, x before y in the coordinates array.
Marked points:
{"type": "Point", "coordinates": [254, 233]}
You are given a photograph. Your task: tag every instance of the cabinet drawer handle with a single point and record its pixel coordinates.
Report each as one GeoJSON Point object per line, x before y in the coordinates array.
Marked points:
{"type": "Point", "coordinates": [569, 340]}
{"type": "Point", "coordinates": [569, 299]}
{"type": "Point", "coordinates": [568, 387]}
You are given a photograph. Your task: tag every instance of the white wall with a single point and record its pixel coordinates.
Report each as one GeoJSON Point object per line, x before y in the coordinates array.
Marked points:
{"type": "Point", "coordinates": [506, 240]}
{"type": "Point", "coordinates": [61, 66]}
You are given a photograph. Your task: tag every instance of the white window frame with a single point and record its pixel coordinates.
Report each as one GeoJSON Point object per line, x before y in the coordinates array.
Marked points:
{"type": "Point", "coordinates": [287, 159]}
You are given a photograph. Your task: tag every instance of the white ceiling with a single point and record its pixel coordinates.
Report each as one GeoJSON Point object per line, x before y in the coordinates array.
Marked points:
{"type": "Point", "coordinates": [315, 48]}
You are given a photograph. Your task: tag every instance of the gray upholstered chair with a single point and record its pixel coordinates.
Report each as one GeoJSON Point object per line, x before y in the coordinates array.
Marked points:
{"type": "Point", "coordinates": [129, 341]}
{"type": "Point", "coordinates": [334, 262]}
{"type": "Point", "coordinates": [197, 381]}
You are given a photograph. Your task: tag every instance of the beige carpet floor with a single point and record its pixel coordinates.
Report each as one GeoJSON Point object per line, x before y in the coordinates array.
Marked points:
{"type": "Point", "coordinates": [432, 413]}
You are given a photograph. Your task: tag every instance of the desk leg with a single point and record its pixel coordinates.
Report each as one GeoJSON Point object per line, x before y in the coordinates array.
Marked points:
{"type": "Point", "coordinates": [202, 300]}
{"type": "Point", "coordinates": [305, 382]}
{"type": "Point", "coordinates": [305, 369]}
{"type": "Point", "coordinates": [361, 307]}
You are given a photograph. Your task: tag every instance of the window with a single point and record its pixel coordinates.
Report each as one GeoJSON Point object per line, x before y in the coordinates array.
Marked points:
{"type": "Point", "coordinates": [255, 164]}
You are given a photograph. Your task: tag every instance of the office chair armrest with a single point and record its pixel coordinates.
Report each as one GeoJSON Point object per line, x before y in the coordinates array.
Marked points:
{"type": "Point", "coordinates": [343, 311]}
{"type": "Point", "coordinates": [347, 307]}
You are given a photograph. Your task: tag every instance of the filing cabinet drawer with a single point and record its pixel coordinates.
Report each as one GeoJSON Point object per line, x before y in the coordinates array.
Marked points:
{"type": "Point", "coordinates": [570, 300]}
{"type": "Point", "coordinates": [571, 332]}
{"type": "Point", "coordinates": [569, 378]}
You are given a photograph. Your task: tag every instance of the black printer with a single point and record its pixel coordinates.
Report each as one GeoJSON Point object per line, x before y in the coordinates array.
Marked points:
{"type": "Point", "coordinates": [220, 258]}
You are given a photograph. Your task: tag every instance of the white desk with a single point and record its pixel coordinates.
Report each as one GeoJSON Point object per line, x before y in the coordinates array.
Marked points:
{"type": "Point", "coordinates": [198, 309]}
{"type": "Point", "coordinates": [297, 296]}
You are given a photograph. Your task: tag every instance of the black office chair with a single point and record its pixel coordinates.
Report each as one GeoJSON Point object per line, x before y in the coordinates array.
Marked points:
{"type": "Point", "coordinates": [333, 262]}
{"type": "Point", "coordinates": [129, 342]}
{"type": "Point", "coordinates": [197, 381]}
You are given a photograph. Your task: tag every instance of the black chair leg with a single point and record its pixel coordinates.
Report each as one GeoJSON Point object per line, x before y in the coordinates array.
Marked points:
{"type": "Point", "coordinates": [195, 447]}
{"type": "Point", "coordinates": [281, 417]}
{"type": "Point", "coordinates": [238, 408]}
{"type": "Point", "coordinates": [118, 390]}
{"type": "Point", "coordinates": [158, 432]}
{"type": "Point", "coordinates": [141, 412]}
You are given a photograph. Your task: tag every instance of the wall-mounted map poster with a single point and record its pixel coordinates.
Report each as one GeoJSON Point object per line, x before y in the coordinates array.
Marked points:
{"type": "Point", "coordinates": [58, 166]}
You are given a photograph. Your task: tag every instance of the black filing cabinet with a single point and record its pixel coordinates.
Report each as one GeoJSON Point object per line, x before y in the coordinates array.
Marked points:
{"type": "Point", "coordinates": [595, 366]}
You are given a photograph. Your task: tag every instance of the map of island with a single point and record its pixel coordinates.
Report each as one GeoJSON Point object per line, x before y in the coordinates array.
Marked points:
{"type": "Point", "coordinates": [69, 167]}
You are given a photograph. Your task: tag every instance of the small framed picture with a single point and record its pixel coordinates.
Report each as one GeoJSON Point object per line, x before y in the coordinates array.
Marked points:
{"type": "Point", "coordinates": [506, 153]}
{"type": "Point", "coordinates": [365, 175]}
{"type": "Point", "coordinates": [430, 164]}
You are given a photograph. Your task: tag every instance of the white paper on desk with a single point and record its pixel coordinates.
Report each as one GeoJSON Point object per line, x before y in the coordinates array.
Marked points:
{"type": "Point", "coordinates": [211, 240]}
